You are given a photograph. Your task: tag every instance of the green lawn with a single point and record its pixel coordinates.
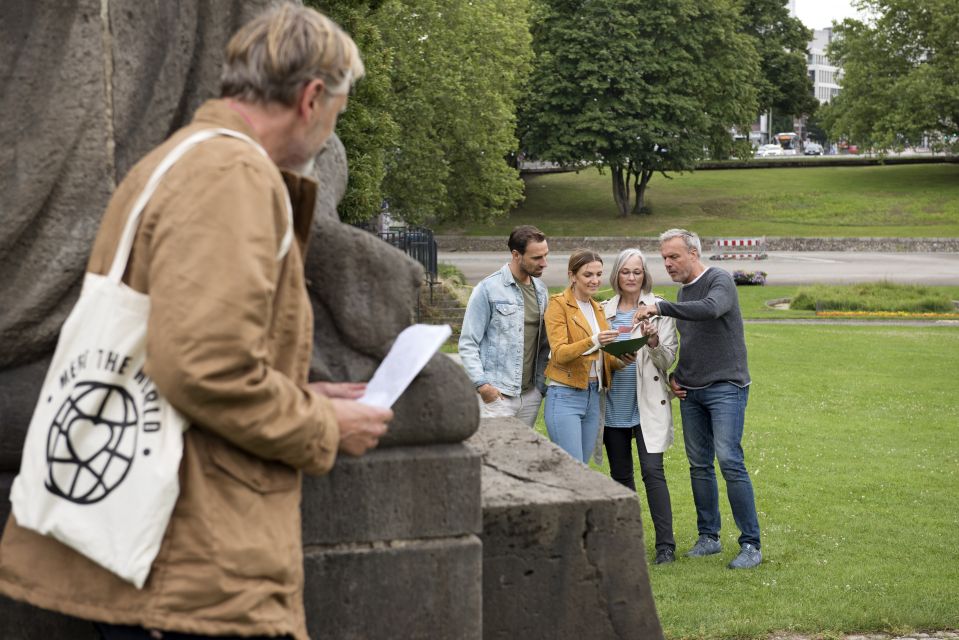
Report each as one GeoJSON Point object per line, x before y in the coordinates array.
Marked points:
{"type": "Point", "coordinates": [753, 299]}
{"type": "Point", "coordinates": [852, 439]}
{"type": "Point", "coordinates": [882, 201]}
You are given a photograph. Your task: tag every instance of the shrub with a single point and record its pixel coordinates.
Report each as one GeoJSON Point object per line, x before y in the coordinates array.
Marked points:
{"type": "Point", "coordinates": [872, 296]}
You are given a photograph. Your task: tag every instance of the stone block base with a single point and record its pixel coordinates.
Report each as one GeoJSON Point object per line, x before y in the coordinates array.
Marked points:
{"type": "Point", "coordinates": [563, 551]}
{"type": "Point", "coordinates": [416, 590]}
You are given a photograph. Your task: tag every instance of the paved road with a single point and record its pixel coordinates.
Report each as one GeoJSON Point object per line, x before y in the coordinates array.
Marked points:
{"type": "Point", "coordinates": [783, 267]}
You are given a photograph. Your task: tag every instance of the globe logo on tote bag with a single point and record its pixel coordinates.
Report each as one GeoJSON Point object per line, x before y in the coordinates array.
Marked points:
{"type": "Point", "coordinates": [92, 442]}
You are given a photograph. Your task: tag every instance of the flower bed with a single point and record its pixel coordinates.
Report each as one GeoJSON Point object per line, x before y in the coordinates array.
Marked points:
{"type": "Point", "coordinates": [749, 277]}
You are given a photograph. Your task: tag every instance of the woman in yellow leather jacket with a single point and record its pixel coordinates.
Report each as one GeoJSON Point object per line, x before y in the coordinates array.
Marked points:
{"type": "Point", "coordinates": [578, 371]}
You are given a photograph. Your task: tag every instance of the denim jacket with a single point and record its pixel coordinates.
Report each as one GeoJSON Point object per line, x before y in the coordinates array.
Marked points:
{"type": "Point", "coordinates": [491, 341]}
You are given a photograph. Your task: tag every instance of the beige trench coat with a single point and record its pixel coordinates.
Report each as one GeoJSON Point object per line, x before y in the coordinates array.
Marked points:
{"type": "Point", "coordinates": [229, 342]}
{"type": "Point", "coordinates": [653, 395]}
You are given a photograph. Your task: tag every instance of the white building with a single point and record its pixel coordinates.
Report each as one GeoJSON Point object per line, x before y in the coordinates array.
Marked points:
{"type": "Point", "coordinates": [823, 74]}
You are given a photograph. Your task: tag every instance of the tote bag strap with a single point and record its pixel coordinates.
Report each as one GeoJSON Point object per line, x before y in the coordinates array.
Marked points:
{"type": "Point", "coordinates": [125, 246]}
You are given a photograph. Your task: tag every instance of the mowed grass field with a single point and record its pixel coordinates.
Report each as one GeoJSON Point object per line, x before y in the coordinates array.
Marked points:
{"type": "Point", "coordinates": [878, 201]}
{"type": "Point", "coordinates": [852, 441]}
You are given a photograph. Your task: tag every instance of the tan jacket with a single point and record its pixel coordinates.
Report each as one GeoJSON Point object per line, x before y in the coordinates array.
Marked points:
{"type": "Point", "coordinates": [572, 348]}
{"type": "Point", "coordinates": [229, 342]}
{"type": "Point", "coordinates": [653, 395]}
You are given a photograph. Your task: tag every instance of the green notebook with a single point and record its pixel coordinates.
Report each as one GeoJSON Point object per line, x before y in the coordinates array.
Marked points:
{"type": "Point", "coordinates": [620, 347]}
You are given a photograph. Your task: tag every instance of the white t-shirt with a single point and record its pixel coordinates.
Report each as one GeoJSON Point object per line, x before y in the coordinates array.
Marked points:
{"type": "Point", "coordinates": [590, 313]}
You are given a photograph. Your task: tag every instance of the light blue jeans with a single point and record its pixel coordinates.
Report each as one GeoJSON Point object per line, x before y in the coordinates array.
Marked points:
{"type": "Point", "coordinates": [713, 421]}
{"type": "Point", "coordinates": [572, 418]}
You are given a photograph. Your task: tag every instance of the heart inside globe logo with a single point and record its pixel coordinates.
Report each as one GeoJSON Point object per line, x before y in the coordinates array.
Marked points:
{"type": "Point", "coordinates": [92, 442]}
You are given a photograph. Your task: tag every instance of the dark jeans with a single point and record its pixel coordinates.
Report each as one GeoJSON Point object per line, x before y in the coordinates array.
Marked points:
{"type": "Point", "coordinates": [713, 421]}
{"type": "Point", "coordinates": [123, 632]}
{"type": "Point", "coordinates": [619, 450]}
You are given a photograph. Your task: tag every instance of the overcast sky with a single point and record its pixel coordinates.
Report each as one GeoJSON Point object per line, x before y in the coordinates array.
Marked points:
{"type": "Point", "coordinates": [819, 14]}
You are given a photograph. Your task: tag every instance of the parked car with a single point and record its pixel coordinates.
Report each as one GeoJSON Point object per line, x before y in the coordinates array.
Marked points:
{"type": "Point", "coordinates": [812, 149]}
{"type": "Point", "coordinates": [769, 150]}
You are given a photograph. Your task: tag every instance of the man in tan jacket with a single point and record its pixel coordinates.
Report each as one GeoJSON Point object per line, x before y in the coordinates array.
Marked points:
{"type": "Point", "coordinates": [229, 342]}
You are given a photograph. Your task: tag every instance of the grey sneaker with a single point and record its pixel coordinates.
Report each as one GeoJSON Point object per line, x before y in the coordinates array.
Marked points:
{"type": "Point", "coordinates": [665, 556]}
{"type": "Point", "coordinates": [705, 546]}
{"type": "Point", "coordinates": [749, 557]}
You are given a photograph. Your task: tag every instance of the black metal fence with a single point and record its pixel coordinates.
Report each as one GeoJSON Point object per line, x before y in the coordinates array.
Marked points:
{"type": "Point", "coordinates": [416, 242]}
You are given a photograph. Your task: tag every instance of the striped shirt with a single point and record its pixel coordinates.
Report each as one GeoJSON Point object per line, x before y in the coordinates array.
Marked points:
{"type": "Point", "coordinates": [621, 409]}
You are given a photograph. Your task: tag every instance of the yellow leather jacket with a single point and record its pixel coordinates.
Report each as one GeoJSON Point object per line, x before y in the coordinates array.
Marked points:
{"type": "Point", "coordinates": [572, 349]}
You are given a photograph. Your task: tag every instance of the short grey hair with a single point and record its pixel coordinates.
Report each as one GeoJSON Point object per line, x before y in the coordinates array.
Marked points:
{"type": "Point", "coordinates": [690, 239]}
{"type": "Point", "coordinates": [621, 259]}
{"type": "Point", "coordinates": [276, 54]}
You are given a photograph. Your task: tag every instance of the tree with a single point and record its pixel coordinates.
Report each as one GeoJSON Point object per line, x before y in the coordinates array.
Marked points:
{"type": "Point", "coordinates": [900, 74]}
{"type": "Point", "coordinates": [367, 128]}
{"type": "Point", "coordinates": [432, 124]}
{"type": "Point", "coordinates": [781, 41]}
{"type": "Point", "coordinates": [636, 86]}
{"type": "Point", "coordinates": [457, 71]}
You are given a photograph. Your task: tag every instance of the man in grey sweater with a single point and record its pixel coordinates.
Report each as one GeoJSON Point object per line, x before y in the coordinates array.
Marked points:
{"type": "Point", "coordinates": [712, 383]}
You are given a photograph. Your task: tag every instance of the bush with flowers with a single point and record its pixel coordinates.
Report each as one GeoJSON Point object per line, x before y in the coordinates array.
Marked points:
{"type": "Point", "coordinates": [749, 277]}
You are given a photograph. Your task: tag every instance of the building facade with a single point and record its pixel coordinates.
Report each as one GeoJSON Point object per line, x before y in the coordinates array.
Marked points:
{"type": "Point", "coordinates": [824, 75]}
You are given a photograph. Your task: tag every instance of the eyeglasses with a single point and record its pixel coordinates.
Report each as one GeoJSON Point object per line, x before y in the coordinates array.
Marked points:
{"type": "Point", "coordinates": [638, 273]}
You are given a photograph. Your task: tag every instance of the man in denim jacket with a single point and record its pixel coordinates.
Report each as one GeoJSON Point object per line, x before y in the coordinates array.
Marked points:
{"type": "Point", "coordinates": [503, 344]}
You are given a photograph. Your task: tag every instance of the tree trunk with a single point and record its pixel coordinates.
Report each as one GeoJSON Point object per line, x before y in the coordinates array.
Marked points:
{"type": "Point", "coordinates": [620, 189]}
{"type": "Point", "coordinates": [639, 206]}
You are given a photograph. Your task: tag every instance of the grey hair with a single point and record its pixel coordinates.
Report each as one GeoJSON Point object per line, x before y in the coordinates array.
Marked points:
{"type": "Point", "coordinates": [276, 54]}
{"type": "Point", "coordinates": [690, 239]}
{"type": "Point", "coordinates": [621, 259]}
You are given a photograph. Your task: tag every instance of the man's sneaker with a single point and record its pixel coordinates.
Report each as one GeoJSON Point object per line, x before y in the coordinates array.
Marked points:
{"type": "Point", "coordinates": [705, 546]}
{"type": "Point", "coordinates": [665, 556]}
{"type": "Point", "coordinates": [749, 557]}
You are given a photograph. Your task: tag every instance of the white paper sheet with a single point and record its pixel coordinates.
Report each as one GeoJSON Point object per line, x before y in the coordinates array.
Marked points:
{"type": "Point", "coordinates": [412, 350]}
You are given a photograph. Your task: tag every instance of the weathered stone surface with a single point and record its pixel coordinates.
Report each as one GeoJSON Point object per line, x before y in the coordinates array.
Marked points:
{"type": "Point", "coordinates": [415, 590]}
{"type": "Point", "coordinates": [331, 172]}
{"type": "Point", "coordinates": [364, 292]}
{"type": "Point", "coordinates": [19, 389]}
{"type": "Point", "coordinates": [563, 552]}
{"type": "Point", "coordinates": [86, 94]}
{"type": "Point", "coordinates": [56, 169]}
{"type": "Point", "coordinates": [166, 59]}
{"type": "Point", "coordinates": [6, 479]}
{"type": "Point", "coordinates": [408, 492]}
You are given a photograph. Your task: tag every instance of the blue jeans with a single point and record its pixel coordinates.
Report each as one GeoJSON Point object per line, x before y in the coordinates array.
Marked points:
{"type": "Point", "coordinates": [713, 428]}
{"type": "Point", "coordinates": [572, 418]}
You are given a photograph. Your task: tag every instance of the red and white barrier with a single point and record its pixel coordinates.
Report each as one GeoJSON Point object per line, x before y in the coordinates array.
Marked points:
{"type": "Point", "coordinates": [733, 249]}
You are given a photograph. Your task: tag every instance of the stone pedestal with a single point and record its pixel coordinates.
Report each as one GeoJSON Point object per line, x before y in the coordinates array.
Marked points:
{"type": "Point", "coordinates": [563, 551]}
{"type": "Point", "coordinates": [391, 545]}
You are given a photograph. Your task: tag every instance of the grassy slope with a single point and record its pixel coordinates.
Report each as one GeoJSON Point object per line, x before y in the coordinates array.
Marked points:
{"type": "Point", "coordinates": [855, 458]}
{"type": "Point", "coordinates": [904, 200]}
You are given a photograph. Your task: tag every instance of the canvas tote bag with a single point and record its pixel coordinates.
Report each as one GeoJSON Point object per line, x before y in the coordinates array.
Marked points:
{"type": "Point", "coordinates": [102, 452]}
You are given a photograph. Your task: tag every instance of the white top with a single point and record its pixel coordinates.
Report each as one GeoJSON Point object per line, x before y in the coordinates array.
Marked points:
{"type": "Point", "coordinates": [587, 309]}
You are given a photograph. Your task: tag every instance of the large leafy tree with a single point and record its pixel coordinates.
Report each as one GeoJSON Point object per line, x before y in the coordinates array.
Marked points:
{"type": "Point", "coordinates": [457, 70]}
{"type": "Point", "coordinates": [636, 86]}
{"type": "Point", "coordinates": [781, 41]}
{"type": "Point", "coordinates": [431, 126]}
{"type": "Point", "coordinates": [367, 129]}
{"type": "Point", "coordinates": [901, 74]}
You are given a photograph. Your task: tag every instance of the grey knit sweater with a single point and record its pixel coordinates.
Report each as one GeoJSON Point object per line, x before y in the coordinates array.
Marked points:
{"type": "Point", "coordinates": [712, 346]}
